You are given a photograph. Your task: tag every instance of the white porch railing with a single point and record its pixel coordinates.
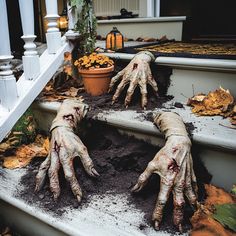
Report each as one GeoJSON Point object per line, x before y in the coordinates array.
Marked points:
{"type": "Point", "coordinates": [16, 97]}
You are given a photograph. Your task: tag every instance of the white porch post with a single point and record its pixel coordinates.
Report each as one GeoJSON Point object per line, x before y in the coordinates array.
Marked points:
{"type": "Point", "coordinates": [8, 91]}
{"type": "Point", "coordinates": [30, 58]}
{"type": "Point", "coordinates": [72, 19]}
{"type": "Point", "coordinates": [157, 8]}
{"type": "Point", "coordinates": [53, 34]}
{"type": "Point", "coordinates": [146, 8]}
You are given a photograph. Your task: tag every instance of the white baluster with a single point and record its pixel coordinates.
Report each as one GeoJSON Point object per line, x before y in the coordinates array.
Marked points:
{"type": "Point", "coordinates": [53, 35]}
{"type": "Point", "coordinates": [72, 19]}
{"type": "Point", "coordinates": [30, 59]}
{"type": "Point", "coordinates": [8, 90]}
{"type": "Point", "coordinates": [158, 8]}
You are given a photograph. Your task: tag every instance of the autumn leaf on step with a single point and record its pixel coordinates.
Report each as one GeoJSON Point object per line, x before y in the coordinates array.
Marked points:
{"type": "Point", "coordinates": [25, 153]}
{"type": "Point", "coordinates": [203, 222]}
{"type": "Point", "coordinates": [226, 215]}
{"type": "Point", "coordinates": [219, 102]}
{"type": "Point", "coordinates": [72, 92]}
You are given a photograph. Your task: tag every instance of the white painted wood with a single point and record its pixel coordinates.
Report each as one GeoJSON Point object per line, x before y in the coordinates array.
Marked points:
{"type": "Point", "coordinates": [146, 8]}
{"type": "Point", "coordinates": [4, 31]}
{"type": "Point", "coordinates": [31, 66]}
{"type": "Point", "coordinates": [29, 89]}
{"type": "Point", "coordinates": [213, 65]}
{"type": "Point", "coordinates": [53, 35]}
{"type": "Point", "coordinates": [172, 27]}
{"type": "Point", "coordinates": [51, 6]}
{"type": "Point", "coordinates": [198, 63]}
{"type": "Point", "coordinates": [157, 8]}
{"type": "Point", "coordinates": [30, 59]}
{"type": "Point", "coordinates": [8, 90]}
{"type": "Point", "coordinates": [27, 16]}
{"type": "Point", "coordinates": [113, 7]}
{"type": "Point", "coordinates": [194, 75]}
{"type": "Point", "coordinates": [185, 82]}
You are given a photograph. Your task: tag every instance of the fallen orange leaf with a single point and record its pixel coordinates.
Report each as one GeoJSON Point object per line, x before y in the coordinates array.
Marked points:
{"type": "Point", "coordinates": [25, 153]}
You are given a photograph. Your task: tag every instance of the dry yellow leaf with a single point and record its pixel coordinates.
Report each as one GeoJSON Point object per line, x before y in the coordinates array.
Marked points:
{"type": "Point", "coordinates": [218, 102]}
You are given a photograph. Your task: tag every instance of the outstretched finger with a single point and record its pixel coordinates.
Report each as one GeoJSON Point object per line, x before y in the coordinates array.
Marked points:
{"type": "Point", "coordinates": [189, 191]}
{"type": "Point", "coordinates": [119, 89]}
{"type": "Point", "coordinates": [41, 175]}
{"type": "Point", "coordinates": [151, 81]}
{"type": "Point", "coordinates": [115, 79]}
{"type": "Point", "coordinates": [88, 166]}
{"type": "Point", "coordinates": [67, 164]}
{"type": "Point", "coordinates": [53, 175]}
{"type": "Point", "coordinates": [143, 90]}
{"type": "Point", "coordinates": [178, 197]}
{"type": "Point", "coordinates": [162, 198]}
{"type": "Point", "coordinates": [194, 179]}
{"type": "Point", "coordinates": [130, 92]}
{"type": "Point", "coordinates": [87, 162]}
{"type": "Point", "coordinates": [143, 178]}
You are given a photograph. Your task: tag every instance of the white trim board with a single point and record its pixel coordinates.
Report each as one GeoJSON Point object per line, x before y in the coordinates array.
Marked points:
{"type": "Point", "coordinates": [28, 90]}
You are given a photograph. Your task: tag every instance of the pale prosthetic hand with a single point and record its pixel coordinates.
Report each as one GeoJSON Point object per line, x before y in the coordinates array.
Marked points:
{"type": "Point", "coordinates": [136, 73]}
{"type": "Point", "coordinates": [173, 163]}
{"type": "Point", "coordinates": [64, 147]}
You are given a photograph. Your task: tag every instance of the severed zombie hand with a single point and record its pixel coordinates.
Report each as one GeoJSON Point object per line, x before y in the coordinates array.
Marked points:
{"type": "Point", "coordinates": [136, 73]}
{"type": "Point", "coordinates": [64, 147]}
{"type": "Point", "coordinates": [175, 166]}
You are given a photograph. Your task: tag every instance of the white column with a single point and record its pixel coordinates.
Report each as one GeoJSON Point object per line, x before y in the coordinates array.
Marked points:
{"type": "Point", "coordinates": [53, 34]}
{"type": "Point", "coordinates": [146, 8]}
{"type": "Point", "coordinates": [30, 59]}
{"type": "Point", "coordinates": [4, 32]}
{"type": "Point", "coordinates": [157, 8]}
{"type": "Point", "coordinates": [8, 91]}
{"type": "Point", "coordinates": [72, 19]}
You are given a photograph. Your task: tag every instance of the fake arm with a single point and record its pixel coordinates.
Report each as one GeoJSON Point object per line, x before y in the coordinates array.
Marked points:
{"type": "Point", "coordinates": [65, 145]}
{"type": "Point", "coordinates": [136, 73]}
{"type": "Point", "coordinates": [175, 166]}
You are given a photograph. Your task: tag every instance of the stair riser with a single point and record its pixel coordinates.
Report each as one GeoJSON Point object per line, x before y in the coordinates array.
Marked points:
{"type": "Point", "coordinates": [215, 160]}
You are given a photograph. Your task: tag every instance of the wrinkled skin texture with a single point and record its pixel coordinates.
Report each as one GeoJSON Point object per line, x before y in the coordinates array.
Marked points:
{"type": "Point", "coordinates": [65, 145]}
{"type": "Point", "coordinates": [175, 166]}
{"type": "Point", "coordinates": [173, 162]}
{"type": "Point", "coordinates": [136, 73]}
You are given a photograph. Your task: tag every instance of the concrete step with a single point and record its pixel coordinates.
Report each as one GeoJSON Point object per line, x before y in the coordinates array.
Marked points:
{"type": "Point", "coordinates": [217, 146]}
{"type": "Point", "coordinates": [154, 27]}
{"type": "Point", "coordinates": [193, 75]}
{"type": "Point", "coordinates": [216, 143]}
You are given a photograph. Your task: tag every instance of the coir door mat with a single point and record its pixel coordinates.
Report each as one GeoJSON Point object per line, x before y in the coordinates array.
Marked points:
{"type": "Point", "coordinates": [190, 50]}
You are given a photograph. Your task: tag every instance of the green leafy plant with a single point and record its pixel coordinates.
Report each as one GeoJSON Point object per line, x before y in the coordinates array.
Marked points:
{"type": "Point", "coordinates": [226, 215]}
{"type": "Point", "coordinates": [86, 24]}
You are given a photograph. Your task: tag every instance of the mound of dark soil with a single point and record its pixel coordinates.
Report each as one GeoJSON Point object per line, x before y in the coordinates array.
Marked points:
{"type": "Point", "coordinates": [119, 160]}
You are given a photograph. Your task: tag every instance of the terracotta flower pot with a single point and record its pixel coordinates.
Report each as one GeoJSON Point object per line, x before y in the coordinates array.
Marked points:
{"type": "Point", "coordinates": [96, 81]}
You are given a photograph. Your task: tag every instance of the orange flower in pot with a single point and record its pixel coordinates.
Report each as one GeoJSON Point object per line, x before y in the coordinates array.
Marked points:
{"type": "Point", "coordinates": [96, 70]}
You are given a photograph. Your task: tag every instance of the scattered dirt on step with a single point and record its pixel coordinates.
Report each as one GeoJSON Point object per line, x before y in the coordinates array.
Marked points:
{"type": "Point", "coordinates": [120, 160]}
{"type": "Point", "coordinates": [102, 103]}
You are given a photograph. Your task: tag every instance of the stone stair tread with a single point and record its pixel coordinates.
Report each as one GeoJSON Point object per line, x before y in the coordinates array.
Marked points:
{"type": "Point", "coordinates": [99, 217]}
{"type": "Point", "coordinates": [209, 130]}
